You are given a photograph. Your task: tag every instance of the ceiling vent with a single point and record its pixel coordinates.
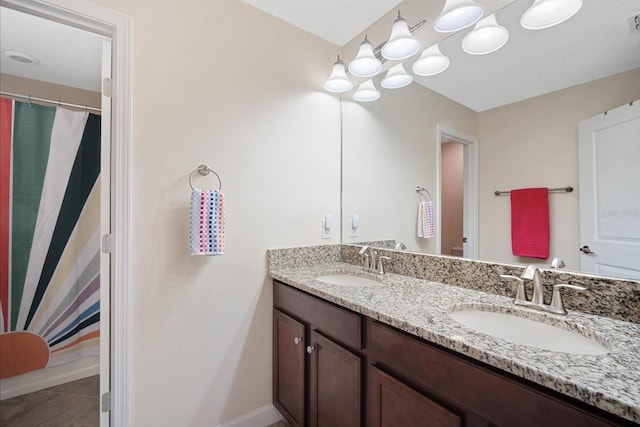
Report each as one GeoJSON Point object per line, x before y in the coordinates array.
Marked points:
{"type": "Point", "coordinates": [21, 57]}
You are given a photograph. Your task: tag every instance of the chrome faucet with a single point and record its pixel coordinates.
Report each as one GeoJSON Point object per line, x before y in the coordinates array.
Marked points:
{"type": "Point", "coordinates": [557, 263]}
{"type": "Point", "coordinates": [369, 257]}
{"type": "Point", "coordinates": [533, 273]}
{"type": "Point", "coordinates": [372, 261]}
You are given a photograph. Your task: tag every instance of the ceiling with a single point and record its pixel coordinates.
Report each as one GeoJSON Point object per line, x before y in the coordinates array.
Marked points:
{"type": "Point", "coordinates": [337, 21]}
{"type": "Point", "coordinates": [593, 44]}
{"type": "Point", "coordinates": [67, 56]}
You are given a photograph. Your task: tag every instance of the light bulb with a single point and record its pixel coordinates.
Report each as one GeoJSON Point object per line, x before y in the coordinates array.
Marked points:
{"type": "Point", "coordinates": [486, 37]}
{"type": "Point", "coordinates": [396, 78]}
{"type": "Point", "coordinates": [547, 13]}
{"type": "Point", "coordinates": [338, 81]}
{"type": "Point", "coordinates": [401, 44]}
{"type": "Point", "coordinates": [366, 92]}
{"type": "Point", "coordinates": [458, 14]}
{"type": "Point", "coordinates": [431, 62]}
{"type": "Point", "coordinates": [365, 64]}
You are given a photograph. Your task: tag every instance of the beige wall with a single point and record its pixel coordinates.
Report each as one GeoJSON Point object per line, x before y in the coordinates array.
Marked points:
{"type": "Point", "coordinates": [221, 83]}
{"type": "Point", "coordinates": [387, 152]}
{"type": "Point", "coordinates": [46, 90]}
{"type": "Point", "coordinates": [452, 197]}
{"type": "Point", "coordinates": [534, 143]}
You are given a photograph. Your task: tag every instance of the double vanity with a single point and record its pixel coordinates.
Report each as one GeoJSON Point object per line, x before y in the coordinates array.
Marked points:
{"type": "Point", "coordinates": [354, 347]}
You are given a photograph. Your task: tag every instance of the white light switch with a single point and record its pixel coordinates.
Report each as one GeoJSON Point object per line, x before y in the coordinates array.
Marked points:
{"type": "Point", "coordinates": [327, 225]}
{"type": "Point", "coordinates": [354, 223]}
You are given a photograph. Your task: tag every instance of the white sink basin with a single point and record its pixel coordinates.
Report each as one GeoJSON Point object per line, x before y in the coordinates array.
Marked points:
{"type": "Point", "coordinates": [347, 280]}
{"type": "Point", "coordinates": [527, 332]}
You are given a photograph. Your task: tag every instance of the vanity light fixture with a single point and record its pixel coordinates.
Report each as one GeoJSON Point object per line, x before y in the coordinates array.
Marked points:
{"type": "Point", "coordinates": [396, 78]}
{"type": "Point", "coordinates": [458, 14]}
{"type": "Point", "coordinates": [366, 92]}
{"type": "Point", "coordinates": [401, 44]}
{"type": "Point", "coordinates": [486, 37]}
{"type": "Point", "coordinates": [547, 13]}
{"type": "Point", "coordinates": [338, 81]}
{"type": "Point", "coordinates": [365, 64]}
{"type": "Point", "coordinates": [431, 62]}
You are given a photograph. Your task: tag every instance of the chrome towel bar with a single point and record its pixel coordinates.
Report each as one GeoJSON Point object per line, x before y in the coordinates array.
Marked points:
{"type": "Point", "coordinates": [551, 190]}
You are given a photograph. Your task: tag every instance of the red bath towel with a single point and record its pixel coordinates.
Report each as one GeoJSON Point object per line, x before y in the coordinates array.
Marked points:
{"type": "Point", "coordinates": [530, 222]}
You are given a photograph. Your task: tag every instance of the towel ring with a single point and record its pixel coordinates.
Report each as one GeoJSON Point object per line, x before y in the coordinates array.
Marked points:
{"type": "Point", "coordinates": [419, 190]}
{"type": "Point", "coordinates": [204, 170]}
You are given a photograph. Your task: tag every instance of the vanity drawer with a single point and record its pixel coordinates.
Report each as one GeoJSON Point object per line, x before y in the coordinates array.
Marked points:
{"type": "Point", "coordinates": [496, 397]}
{"type": "Point", "coordinates": [331, 320]}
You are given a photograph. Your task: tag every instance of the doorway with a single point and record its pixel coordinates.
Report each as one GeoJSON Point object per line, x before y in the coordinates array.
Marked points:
{"type": "Point", "coordinates": [457, 206]}
{"type": "Point", "coordinates": [452, 206]}
{"type": "Point", "coordinates": [56, 205]}
{"type": "Point", "coordinates": [115, 241]}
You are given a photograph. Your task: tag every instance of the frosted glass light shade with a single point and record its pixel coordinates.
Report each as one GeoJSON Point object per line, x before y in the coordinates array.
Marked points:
{"type": "Point", "coordinates": [365, 64]}
{"type": "Point", "coordinates": [431, 62]}
{"type": "Point", "coordinates": [338, 81]}
{"type": "Point", "coordinates": [396, 78]}
{"type": "Point", "coordinates": [486, 37]}
{"type": "Point", "coordinates": [458, 14]}
{"type": "Point", "coordinates": [401, 44]}
{"type": "Point", "coordinates": [366, 92]}
{"type": "Point", "coordinates": [547, 13]}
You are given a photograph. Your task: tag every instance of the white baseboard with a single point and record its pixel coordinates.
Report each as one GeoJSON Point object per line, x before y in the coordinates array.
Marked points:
{"type": "Point", "coordinates": [49, 377]}
{"type": "Point", "coordinates": [261, 417]}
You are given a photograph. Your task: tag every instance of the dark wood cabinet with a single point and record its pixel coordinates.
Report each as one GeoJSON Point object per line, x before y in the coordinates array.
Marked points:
{"type": "Point", "coordinates": [329, 373]}
{"type": "Point", "coordinates": [482, 395]}
{"type": "Point", "coordinates": [317, 368]}
{"type": "Point", "coordinates": [288, 368]}
{"type": "Point", "coordinates": [335, 384]}
{"type": "Point", "coordinates": [394, 404]}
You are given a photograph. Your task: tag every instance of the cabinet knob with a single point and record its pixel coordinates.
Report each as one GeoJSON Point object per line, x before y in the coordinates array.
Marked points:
{"type": "Point", "coordinates": [310, 349]}
{"type": "Point", "coordinates": [297, 340]}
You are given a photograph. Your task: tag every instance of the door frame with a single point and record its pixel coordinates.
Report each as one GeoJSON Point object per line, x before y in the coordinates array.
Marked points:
{"type": "Point", "coordinates": [470, 209]}
{"type": "Point", "coordinates": [118, 27]}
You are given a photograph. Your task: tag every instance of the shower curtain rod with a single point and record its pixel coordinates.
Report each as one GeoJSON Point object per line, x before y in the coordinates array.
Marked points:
{"type": "Point", "coordinates": [49, 101]}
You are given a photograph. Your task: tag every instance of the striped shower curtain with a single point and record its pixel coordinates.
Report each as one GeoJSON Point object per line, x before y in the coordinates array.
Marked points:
{"type": "Point", "coordinates": [49, 236]}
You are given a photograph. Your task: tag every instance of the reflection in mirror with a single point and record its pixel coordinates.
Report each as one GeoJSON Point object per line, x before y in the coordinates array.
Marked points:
{"type": "Point", "coordinates": [523, 103]}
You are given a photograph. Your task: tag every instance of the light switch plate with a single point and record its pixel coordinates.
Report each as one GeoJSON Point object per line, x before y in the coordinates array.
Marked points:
{"type": "Point", "coordinates": [634, 24]}
{"type": "Point", "coordinates": [327, 226]}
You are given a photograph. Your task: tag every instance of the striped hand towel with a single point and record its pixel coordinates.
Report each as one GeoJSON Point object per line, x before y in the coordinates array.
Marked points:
{"type": "Point", "coordinates": [426, 228]}
{"type": "Point", "coordinates": [206, 222]}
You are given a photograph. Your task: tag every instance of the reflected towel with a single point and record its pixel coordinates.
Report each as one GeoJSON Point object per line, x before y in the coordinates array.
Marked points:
{"type": "Point", "coordinates": [206, 222]}
{"type": "Point", "coordinates": [530, 222]}
{"type": "Point", "coordinates": [426, 228]}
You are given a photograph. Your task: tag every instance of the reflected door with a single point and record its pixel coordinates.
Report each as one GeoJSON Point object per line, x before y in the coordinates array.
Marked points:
{"type": "Point", "coordinates": [609, 156]}
{"type": "Point", "coordinates": [452, 198]}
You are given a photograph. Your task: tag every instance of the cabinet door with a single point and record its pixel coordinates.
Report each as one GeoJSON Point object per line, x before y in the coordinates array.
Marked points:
{"type": "Point", "coordinates": [393, 403]}
{"type": "Point", "coordinates": [288, 367]}
{"type": "Point", "coordinates": [335, 384]}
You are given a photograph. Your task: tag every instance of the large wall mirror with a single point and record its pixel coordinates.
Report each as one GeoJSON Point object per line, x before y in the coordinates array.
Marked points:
{"type": "Point", "coordinates": [500, 121]}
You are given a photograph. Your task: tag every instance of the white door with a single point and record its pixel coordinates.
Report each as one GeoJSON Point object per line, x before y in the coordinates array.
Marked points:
{"type": "Point", "coordinates": [105, 229]}
{"type": "Point", "coordinates": [609, 162]}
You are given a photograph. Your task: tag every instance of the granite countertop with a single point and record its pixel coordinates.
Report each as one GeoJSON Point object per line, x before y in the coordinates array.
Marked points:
{"type": "Point", "coordinates": [608, 381]}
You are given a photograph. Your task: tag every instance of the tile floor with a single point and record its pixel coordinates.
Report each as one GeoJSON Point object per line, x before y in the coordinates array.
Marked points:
{"type": "Point", "coordinates": [75, 404]}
